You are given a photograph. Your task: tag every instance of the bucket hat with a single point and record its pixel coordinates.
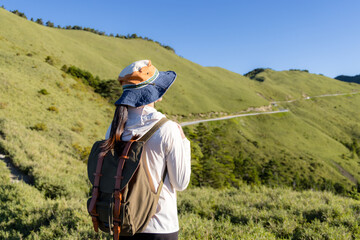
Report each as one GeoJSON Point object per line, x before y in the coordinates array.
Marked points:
{"type": "Point", "coordinates": [143, 84]}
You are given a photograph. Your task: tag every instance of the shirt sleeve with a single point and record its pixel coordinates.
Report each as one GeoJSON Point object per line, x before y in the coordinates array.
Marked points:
{"type": "Point", "coordinates": [178, 158]}
{"type": "Point", "coordinates": [107, 135]}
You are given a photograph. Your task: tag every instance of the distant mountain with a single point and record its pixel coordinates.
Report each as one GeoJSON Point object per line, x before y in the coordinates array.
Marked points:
{"type": "Point", "coordinates": [344, 78]}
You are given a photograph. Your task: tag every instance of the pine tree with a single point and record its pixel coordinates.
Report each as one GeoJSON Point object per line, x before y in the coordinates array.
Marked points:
{"type": "Point", "coordinates": [39, 21]}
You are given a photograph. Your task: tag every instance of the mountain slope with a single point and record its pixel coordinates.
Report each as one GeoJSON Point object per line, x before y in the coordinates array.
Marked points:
{"type": "Point", "coordinates": [106, 56]}
{"type": "Point", "coordinates": [289, 85]}
{"type": "Point", "coordinates": [198, 89]}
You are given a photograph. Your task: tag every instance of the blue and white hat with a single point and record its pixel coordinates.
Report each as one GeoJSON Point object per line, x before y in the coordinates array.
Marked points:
{"type": "Point", "coordinates": [143, 84]}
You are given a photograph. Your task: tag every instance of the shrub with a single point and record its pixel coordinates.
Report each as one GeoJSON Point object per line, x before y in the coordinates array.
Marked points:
{"type": "Point", "coordinates": [39, 21]}
{"type": "Point", "coordinates": [168, 48]}
{"type": "Point", "coordinates": [64, 68]}
{"type": "Point", "coordinates": [77, 27]}
{"type": "Point", "coordinates": [20, 14]}
{"type": "Point", "coordinates": [39, 127]}
{"type": "Point", "coordinates": [252, 74]}
{"type": "Point", "coordinates": [85, 76]}
{"type": "Point", "coordinates": [299, 70]}
{"type": "Point", "coordinates": [49, 60]}
{"type": "Point", "coordinates": [83, 152]}
{"type": "Point", "coordinates": [43, 91]}
{"type": "Point", "coordinates": [49, 24]}
{"type": "Point", "coordinates": [259, 79]}
{"type": "Point", "coordinates": [109, 89]}
{"type": "Point", "coordinates": [29, 54]}
{"type": "Point", "coordinates": [53, 109]}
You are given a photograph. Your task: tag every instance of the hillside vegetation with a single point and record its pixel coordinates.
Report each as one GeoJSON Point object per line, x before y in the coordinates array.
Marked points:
{"type": "Point", "coordinates": [198, 89]}
{"type": "Point", "coordinates": [314, 146]}
{"type": "Point", "coordinates": [49, 119]}
{"type": "Point", "coordinates": [344, 78]}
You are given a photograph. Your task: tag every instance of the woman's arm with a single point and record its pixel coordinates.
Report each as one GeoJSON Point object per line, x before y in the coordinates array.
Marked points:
{"type": "Point", "coordinates": [178, 157]}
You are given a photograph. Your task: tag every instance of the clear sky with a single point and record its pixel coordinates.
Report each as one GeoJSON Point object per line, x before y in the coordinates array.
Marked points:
{"type": "Point", "coordinates": [322, 36]}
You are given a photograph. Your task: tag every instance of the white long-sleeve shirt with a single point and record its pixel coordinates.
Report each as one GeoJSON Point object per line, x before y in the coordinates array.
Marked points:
{"type": "Point", "coordinates": [166, 146]}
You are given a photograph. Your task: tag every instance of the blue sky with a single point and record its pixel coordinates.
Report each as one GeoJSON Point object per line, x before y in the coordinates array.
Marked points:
{"type": "Point", "coordinates": [319, 35]}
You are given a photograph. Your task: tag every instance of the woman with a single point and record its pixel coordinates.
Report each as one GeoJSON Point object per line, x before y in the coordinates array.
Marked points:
{"type": "Point", "coordinates": [167, 149]}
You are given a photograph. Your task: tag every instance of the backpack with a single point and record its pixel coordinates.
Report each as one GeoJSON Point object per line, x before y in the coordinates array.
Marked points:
{"type": "Point", "coordinates": [122, 201]}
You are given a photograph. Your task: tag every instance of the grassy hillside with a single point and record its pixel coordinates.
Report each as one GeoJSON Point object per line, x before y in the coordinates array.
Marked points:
{"type": "Point", "coordinates": [197, 90]}
{"type": "Point", "coordinates": [244, 213]}
{"type": "Point", "coordinates": [289, 85]}
{"type": "Point", "coordinates": [106, 56]}
{"type": "Point", "coordinates": [309, 147]}
{"type": "Point", "coordinates": [263, 213]}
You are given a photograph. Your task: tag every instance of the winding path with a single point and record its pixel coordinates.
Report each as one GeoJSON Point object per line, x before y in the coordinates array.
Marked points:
{"type": "Point", "coordinates": [15, 174]}
{"type": "Point", "coordinates": [232, 116]}
{"type": "Point", "coordinates": [260, 113]}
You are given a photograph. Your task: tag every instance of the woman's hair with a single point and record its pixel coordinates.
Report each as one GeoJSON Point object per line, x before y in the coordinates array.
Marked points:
{"type": "Point", "coordinates": [117, 128]}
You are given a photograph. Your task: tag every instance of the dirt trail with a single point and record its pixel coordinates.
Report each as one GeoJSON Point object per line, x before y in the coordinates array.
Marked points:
{"type": "Point", "coordinates": [319, 96]}
{"type": "Point", "coordinates": [345, 173]}
{"type": "Point", "coordinates": [232, 116]}
{"type": "Point", "coordinates": [15, 174]}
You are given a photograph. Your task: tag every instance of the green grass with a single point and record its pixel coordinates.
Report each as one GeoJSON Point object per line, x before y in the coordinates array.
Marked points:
{"type": "Point", "coordinates": [304, 148]}
{"type": "Point", "coordinates": [197, 89]}
{"type": "Point", "coordinates": [264, 213]}
{"type": "Point", "coordinates": [288, 85]}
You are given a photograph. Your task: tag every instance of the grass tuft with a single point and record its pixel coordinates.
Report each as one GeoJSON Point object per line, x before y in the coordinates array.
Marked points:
{"type": "Point", "coordinates": [43, 91]}
{"type": "Point", "coordinates": [39, 127]}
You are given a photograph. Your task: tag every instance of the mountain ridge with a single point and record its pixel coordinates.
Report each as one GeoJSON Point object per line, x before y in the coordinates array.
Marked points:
{"type": "Point", "coordinates": [345, 78]}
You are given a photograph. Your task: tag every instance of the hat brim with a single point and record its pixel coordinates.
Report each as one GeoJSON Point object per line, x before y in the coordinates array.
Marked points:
{"type": "Point", "coordinates": [137, 97]}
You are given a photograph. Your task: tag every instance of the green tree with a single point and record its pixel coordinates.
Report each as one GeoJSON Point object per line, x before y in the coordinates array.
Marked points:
{"type": "Point", "coordinates": [39, 21]}
{"type": "Point", "coordinates": [49, 24]}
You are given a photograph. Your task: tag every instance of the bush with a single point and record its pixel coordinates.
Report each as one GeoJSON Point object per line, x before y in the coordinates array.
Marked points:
{"type": "Point", "coordinates": [252, 74]}
{"type": "Point", "coordinates": [53, 109]}
{"type": "Point", "coordinates": [49, 60]}
{"type": "Point", "coordinates": [64, 68]}
{"type": "Point", "coordinates": [20, 14]}
{"type": "Point", "coordinates": [39, 21]}
{"type": "Point", "coordinates": [85, 76]}
{"type": "Point", "coordinates": [43, 91]}
{"type": "Point", "coordinates": [39, 127]}
{"type": "Point", "coordinates": [168, 48]}
{"type": "Point", "coordinates": [77, 27]}
{"type": "Point", "coordinates": [109, 89]}
{"type": "Point", "coordinates": [299, 70]}
{"type": "Point", "coordinates": [83, 152]}
{"type": "Point", "coordinates": [49, 24]}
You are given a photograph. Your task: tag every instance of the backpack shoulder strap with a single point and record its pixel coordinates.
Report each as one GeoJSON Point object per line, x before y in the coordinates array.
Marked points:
{"type": "Point", "coordinates": [148, 135]}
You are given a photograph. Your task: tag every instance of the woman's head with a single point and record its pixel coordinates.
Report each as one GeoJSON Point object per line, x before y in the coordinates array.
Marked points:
{"type": "Point", "coordinates": [143, 84]}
